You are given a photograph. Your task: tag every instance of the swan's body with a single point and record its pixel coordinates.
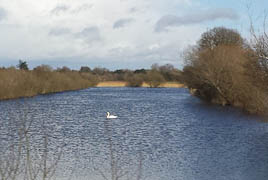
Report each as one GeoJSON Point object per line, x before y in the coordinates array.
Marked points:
{"type": "Point", "coordinates": [110, 116]}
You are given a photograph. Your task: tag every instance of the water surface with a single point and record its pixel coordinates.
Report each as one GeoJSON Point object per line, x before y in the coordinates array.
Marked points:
{"type": "Point", "coordinates": [176, 136]}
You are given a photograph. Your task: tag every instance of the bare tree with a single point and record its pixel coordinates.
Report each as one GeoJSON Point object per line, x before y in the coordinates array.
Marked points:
{"type": "Point", "coordinates": [222, 73]}
{"type": "Point", "coordinates": [23, 158]}
{"type": "Point", "coordinates": [219, 36]}
{"type": "Point", "coordinates": [119, 163]}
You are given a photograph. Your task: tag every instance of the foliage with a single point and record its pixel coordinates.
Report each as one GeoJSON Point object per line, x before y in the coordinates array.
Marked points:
{"type": "Point", "coordinates": [43, 68]}
{"type": "Point", "coordinates": [219, 71]}
{"type": "Point", "coordinates": [219, 36]}
{"type": "Point", "coordinates": [154, 78]}
{"type": "Point", "coordinates": [44, 79]}
{"type": "Point", "coordinates": [16, 83]}
{"type": "Point", "coordinates": [23, 65]}
{"type": "Point", "coordinates": [135, 80]}
{"type": "Point", "coordinates": [64, 69]}
{"type": "Point", "coordinates": [84, 69]}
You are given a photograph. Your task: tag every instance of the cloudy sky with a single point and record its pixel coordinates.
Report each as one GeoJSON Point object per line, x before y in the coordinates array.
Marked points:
{"type": "Point", "coordinates": [112, 33]}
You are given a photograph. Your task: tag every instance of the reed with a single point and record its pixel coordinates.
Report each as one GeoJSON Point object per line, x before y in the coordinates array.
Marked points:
{"type": "Point", "coordinates": [19, 83]}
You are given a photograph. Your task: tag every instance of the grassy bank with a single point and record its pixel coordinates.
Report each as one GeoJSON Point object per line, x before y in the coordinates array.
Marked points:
{"type": "Point", "coordinates": [19, 83]}
{"type": "Point", "coordinates": [124, 84]}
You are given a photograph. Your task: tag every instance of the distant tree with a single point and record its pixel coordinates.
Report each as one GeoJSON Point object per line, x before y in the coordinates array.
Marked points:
{"type": "Point", "coordinates": [138, 71]}
{"type": "Point", "coordinates": [93, 79]}
{"type": "Point", "coordinates": [167, 68]}
{"type": "Point", "coordinates": [43, 68]}
{"type": "Point", "coordinates": [100, 71]}
{"type": "Point", "coordinates": [170, 73]}
{"type": "Point", "coordinates": [135, 80]}
{"type": "Point", "coordinates": [155, 67]}
{"type": "Point", "coordinates": [120, 71]}
{"type": "Point", "coordinates": [64, 69]}
{"type": "Point", "coordinates": [12, 68]}
{"type": "Point", "coordinates": [85, 69]}
{"type": "Point", "coordinates": [154, 79]}
{"type": "Point", "coordinates": [23, 65]}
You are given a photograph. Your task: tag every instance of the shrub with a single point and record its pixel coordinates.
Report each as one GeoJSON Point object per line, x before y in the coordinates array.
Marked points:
{"type": "Point", "coordinates": [154, 79]}
{"type": "Point", "coordinates": [134, 80]}
{"type": "Point", "coordinates": [220, 73]}
{"type": "Point", "coordinates": [16, 83]}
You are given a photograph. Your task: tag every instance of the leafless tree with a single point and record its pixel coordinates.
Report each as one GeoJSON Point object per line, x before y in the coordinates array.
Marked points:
{"type": "Point", "coordinates": [23, 159]}
{"type": "Point", "coordinates": [119, 163]}
{"type": "Point", "coordinates": [222, 73]}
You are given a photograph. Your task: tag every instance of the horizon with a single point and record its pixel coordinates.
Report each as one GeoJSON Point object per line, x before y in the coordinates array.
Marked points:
{"type": "Point", "coordinates": [127, 34]}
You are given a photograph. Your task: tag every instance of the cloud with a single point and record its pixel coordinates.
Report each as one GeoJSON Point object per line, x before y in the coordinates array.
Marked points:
{"type": "Point", "coordinates": [122, 23]}
{"type": "Point", "coordinates": [133, 10]}
{"type": "Point", "coordinates": [59, 9]}
{"type": "Point", "coordinates": [3, 13]}
{"type": "Point", "coordinates": [59, 31]}
{"type": "Point", "coordinates": [92, 30]}
{"type": "Point", "coordinates": [89, 34]}
{"type": "Point", "coordinates": [205, 16]}
{"type": "Point", "coordinates": [83, 7]}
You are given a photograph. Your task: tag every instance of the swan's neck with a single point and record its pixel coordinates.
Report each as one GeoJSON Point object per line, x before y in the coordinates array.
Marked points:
{"type": "Point", "coordinates": [108, 114]}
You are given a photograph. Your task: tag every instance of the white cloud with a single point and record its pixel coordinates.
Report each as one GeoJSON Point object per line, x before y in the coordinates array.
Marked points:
{"type": "Point", "coordinates": [59, 9]}
{"type": "Point", "coordinates": [89, 34]}
{"type": "Point", "coordinates": [101, 29]}
{"type": "Point", "coordinates": [122, 22]}
{"type": "Point", "coordinates": [59, 31]}
{"type": "Point", "coordinates": [210, 15]}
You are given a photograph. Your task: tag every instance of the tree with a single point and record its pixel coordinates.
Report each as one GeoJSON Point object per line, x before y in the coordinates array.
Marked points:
{"type": "Point", "coordinates": [135, 80]}
{"type": "Point", "coordinates": [259, 44]}
{"type": "Point", "coordinates": [64, 69]}
{"type": "Point", "coordinates": [43, 68]}
{"type": "Point", "coordinates": [219, 36]}
{"type": "Point", "coordinates": [170, 73]}
{"type": "Point", "coordinates": [23, 65]}
{"type": "Point", "coordinates": [140, 71]}
{"type": "Point", "coordinates": [85, 69]}
{"type": "Point", "coordinates": [154, 79]}
{"type": "Point", "coordinates": [100, 71]}
{"type": "Point", "coordinates": [217, 70]}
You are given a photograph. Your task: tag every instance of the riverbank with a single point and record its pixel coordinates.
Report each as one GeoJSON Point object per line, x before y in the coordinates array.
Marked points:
{"type": "Point", "coordinates": [16, 83]}
{"type": "Point", "coordinates": [19, 83]}
{"type": "Point", "coordinates": [124, 84]}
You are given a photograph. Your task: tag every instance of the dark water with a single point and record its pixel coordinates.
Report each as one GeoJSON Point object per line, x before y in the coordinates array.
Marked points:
{"type": "Point", "coordinates": [172, 134]}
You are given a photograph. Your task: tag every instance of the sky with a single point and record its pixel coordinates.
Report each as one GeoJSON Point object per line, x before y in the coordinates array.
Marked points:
{"type": "Point", "coordinates": [115, 34]}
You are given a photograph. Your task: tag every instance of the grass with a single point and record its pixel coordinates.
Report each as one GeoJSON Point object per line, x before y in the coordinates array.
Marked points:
{"type": "Point", "coordinates": [17, 83]}
{"type": "Point", "coordinates": [123, 84]}
{"type": "Point", "coordinates": [112, 84]}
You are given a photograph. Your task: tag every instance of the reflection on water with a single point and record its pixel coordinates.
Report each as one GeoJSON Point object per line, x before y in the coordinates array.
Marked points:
{"type": "Point", "coordinates": [173, 135]}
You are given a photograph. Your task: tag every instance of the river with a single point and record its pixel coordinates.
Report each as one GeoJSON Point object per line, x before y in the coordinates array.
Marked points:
{"type": "Point", "coordinates": [160, 134]}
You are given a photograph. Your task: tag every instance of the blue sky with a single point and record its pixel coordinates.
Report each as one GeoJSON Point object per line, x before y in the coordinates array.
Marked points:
{"type": "Point", "coordinates": [115, 34]}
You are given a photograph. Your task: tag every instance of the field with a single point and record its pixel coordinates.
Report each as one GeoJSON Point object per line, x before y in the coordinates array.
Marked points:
{"type": "Point", "coordinates": [123, 84]}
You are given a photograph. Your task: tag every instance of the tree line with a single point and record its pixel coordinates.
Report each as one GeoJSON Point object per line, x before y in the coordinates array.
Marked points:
{"type": "Point", "coordinates": [20, 81]}
{"type": "Point", "coordinates": [135, 78]}
{"type": "Point", "coordinates": [224, 68]}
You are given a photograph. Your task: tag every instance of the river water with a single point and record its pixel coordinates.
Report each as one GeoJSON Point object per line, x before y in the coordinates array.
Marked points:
{"type": "Point", "coordinates": [162, 133]}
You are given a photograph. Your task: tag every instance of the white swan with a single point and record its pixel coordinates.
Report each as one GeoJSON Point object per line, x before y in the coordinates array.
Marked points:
{"type": "Point", "coordinates": [110, 116]}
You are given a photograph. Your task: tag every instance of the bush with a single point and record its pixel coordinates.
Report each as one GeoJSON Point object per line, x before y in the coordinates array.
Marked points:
{"type": "Point", "coordinates": [221, 74]}
{"type": "Point", "coordinates": [154, 79]}
{"type": "Point", "coordinates": [16, 83]}
{"type": "Point", "coordinates": [134, 80]}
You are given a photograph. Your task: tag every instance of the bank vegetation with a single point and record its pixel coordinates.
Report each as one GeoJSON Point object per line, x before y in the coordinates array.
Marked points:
{"type": "Point", "coordinates": [226, 69]}
{"type": "Point", "coordinates": [20, 81]}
